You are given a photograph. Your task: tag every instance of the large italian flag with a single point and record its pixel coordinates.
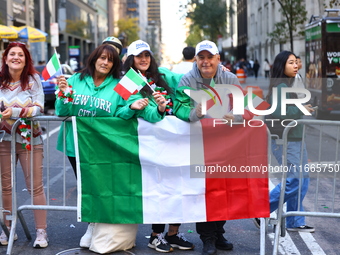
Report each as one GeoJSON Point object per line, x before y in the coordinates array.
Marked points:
{"type": "Point", "coordinates": [133, 171]}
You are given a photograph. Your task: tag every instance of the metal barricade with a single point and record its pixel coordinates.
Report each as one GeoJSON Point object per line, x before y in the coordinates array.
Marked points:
{"type": "Point", "coordinates": [318, 168]}
{"type": "Point", "coordinates": [17, 211]}
{"type": "Point", "coordinates": [264, 221]}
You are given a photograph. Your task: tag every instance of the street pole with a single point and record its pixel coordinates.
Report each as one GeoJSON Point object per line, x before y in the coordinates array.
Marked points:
{"type": "Point", "coordinates": [51, 5]}
{"type": "Point", "coordinates": [42, 27]}
{"type": "Point", "coordinates": [9, 13]}
{"type": "Point", "coordinates": [27, 6]}
{"type": "Point", "coordinates": [27, 19]}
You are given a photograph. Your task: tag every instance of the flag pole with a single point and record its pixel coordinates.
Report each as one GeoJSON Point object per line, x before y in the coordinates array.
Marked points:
{"type": "Point", "coordinates": [144, 78]}
{"type": "Point", "coordinates": [55, 52]}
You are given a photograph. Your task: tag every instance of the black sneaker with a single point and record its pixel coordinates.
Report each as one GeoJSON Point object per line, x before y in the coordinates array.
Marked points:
{"type": "Point", "coordinates": [257, 222]}
{"type": "Point", "coordinates": [158, 243]}
{"type": "Point", "coordinates": [179, 241]}
{"type": "Point", "coordinates": [303, 229]}
{"type": "Point", "coordinates": [222, 243]}
{"type": "Point", "coordinates": [209, 246]}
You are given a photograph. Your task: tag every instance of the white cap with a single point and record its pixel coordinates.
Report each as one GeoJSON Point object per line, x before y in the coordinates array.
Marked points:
{"type": "Point", "coordinates": [207, 45]}
{"type": "Point", "coordinates": [115, 42]}
{"type": "Point", "coordinates": [137, 47]}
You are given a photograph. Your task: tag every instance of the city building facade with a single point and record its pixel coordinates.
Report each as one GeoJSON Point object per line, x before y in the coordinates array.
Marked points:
{"type": "Point", "coordinates": [153, 30]}
{"type": "Point", "coordinates": [82, 25]}
{"type": "Point", "coordinates": [261, 17]}
{"type": "Point", "coordinates": [230, 41]}
{"type": "Point", "coordinates": [117, 10]}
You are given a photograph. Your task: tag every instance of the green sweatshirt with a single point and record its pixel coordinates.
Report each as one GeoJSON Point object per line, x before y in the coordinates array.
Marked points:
{"type": "Point", "coordinates": [150, 112]}
{"type": "Point", "coordinates": [89, 101]}
{"type": "Point", "coordinates": [292, 112]}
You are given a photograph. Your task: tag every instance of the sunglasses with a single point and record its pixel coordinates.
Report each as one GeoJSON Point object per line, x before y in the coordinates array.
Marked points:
{"type": "Point", "coordinates": [16, 44]}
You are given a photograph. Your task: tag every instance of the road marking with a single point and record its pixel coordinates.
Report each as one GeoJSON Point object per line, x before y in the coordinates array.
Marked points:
{"type": "Point", "coordinates": [44, 136]}
{"type": "Point", "coordinates": [286, 244]}
{"type": "Point", "coordinates": [311, 243]}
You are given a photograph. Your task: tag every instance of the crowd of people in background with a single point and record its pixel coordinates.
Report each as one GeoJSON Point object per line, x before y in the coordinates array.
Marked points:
{"type": "Point", "coordinates": [250, 67]}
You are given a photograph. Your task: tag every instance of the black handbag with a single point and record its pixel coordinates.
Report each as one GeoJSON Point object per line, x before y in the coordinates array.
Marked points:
{"type": "Point", "coordinates": [275, 127]}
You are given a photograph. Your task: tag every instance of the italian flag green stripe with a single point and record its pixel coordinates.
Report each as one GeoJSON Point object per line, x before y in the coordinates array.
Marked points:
{"type": "Point", "coordinates": [134, 77]}
{"type": "Point", "coordinates": [114, 168]}
{"type": "Point", "coordinates": [55, 62]}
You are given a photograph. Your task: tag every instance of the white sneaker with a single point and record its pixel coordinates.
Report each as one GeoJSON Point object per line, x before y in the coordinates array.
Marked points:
{"type": "Point", "coordinates": [41, 241]}
{"type": "Point", "coordinates": [85, 241]}
{"type": "Point", "coordinates": [4, 238]}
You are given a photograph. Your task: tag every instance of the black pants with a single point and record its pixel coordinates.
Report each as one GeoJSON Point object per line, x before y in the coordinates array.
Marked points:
{"type": "Point", "coordinates": [210, 229]}
{"type": "Point", "coordinates": [73, 164]}
{"type": "Point", "coordinates": [159, 228]}
{"type": "Point", "coordinates": [266, 74]}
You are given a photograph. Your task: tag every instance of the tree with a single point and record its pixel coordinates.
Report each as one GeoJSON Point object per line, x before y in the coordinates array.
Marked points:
{"type": "Point", "coordinates": [130, 28]}
{"type": "Point", "coordinates": [76, 27]}
{"type": "Point", "coordinates": [209, 16]}
{"type": "Point", "coordinates": [195, 36]}
{"type": "Point", "coordinates": [293, 24]}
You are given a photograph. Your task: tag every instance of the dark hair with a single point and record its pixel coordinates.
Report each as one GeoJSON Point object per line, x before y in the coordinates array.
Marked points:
{"type": "Point", "coordinates": [277, 73]}
{"type": "Point", "coordinates": [28, 70]}
{"type": "Point", "coordinates": [152, 73]}
{"type": "Point", "coordinates": [90, 64]}
{"type": "Point", "coordinates": [297, 57]}
{"type": "Point", "coordinates": [188, 53]}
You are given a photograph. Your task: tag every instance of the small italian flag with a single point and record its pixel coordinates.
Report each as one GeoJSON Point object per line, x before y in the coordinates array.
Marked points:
{"type": "Point", "coordinates": [169, 171]}
{"type": "Point", "coordinates": [52, 68]}
{"type": "Point", "coordinates": [130, 84]}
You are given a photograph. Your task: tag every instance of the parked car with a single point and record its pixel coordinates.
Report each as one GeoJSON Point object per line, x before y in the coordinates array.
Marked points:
{"type": "Point", "coordinates": [50, 84]}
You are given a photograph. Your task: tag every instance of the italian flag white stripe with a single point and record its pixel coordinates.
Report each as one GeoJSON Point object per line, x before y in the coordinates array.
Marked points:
{"type": "Point", "coordinates": [166, 171]}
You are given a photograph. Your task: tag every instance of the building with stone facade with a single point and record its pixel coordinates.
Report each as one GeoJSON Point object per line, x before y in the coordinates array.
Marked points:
{"type": "Point", "coordinates": [261, 17]}
{"type": "Point", "coordinates": [83, 24]}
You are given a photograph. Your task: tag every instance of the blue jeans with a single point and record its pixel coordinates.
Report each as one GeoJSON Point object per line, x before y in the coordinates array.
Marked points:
{"type": "Point", "coordinates": [292, 181]}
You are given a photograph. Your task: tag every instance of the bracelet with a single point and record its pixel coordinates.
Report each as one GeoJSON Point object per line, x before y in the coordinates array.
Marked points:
{"type": "Point", "coordinates": [67, 95]}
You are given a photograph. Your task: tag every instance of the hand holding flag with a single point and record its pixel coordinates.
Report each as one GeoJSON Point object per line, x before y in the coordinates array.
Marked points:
{"type": "Point", "coordinates": [156, 95]}
{"type": "Point", "coordinates": [64, 91]}
{"type": "Point", "coordinates": [146, 81]}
